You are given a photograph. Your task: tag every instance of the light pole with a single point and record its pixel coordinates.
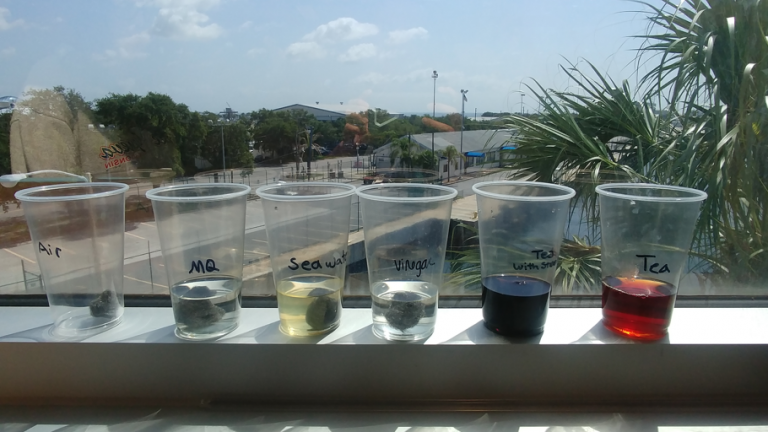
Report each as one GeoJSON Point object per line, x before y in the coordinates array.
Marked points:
{"type": "Point", "coordinates": [434, 93]}
{"type": "Point", "coordinates": [226, 116]}
{"type": "Point", "coordinates": [223, 155]}
{"type": "Point", "coordinates": [461, 156]}
{"type": "Point", "coordinates": [309, 159]}
{"type": "Point", "coordinates": [521, 99]}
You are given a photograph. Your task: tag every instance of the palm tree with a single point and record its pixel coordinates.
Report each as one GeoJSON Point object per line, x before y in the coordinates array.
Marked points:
{"type": "Point", "coordinates": [404, 149]}
{"type": "Point", "coordinates": [453, 156]}
{"type": "Point", "coordinates": [699, 119]}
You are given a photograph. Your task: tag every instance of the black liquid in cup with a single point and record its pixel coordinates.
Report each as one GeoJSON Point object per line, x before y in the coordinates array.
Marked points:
{"type": "Point", "coordinates": [515, 305]}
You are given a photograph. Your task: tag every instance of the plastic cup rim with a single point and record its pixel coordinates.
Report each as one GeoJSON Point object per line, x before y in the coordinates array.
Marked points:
{"type": "Point", "coordinates": [25, 195]}
{"type": "Point", "coordinates": [262, 192]}
{"type": "Point", "coordinates": [697, 195]}
{"type": "Point", "coordinates": [154, 194]}
{"type": "Point", "coordinates": [362, 189]}
{"type": "Point", "coordinates": [568, 192]}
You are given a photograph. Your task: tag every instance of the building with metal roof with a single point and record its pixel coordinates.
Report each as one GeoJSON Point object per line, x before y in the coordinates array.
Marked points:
{"type": "Point", "coordinates": [481, 147]}
{"type": "Point", "coordinates": [319, 113]}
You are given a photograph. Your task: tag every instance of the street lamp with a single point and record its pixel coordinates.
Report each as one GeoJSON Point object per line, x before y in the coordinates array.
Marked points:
{"type": "Point", "coordinates": [226, 116]}
{"type": "Point", "coordinates": [309, 159]}
{"type": "Point", "coordinates": [463, 99]}
{"type": "Point", "coordinates": [223, 158]}
{"type": "Point", "coordinates": [434, 93]}
{"type": "Point", "coordinates": [522, 93]}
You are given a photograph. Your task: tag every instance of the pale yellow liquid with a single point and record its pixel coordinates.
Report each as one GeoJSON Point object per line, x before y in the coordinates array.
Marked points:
{"type": "Point", "coordinates": [309, 305]}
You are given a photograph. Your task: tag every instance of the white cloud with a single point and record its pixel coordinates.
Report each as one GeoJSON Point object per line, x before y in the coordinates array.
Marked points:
{"type": "Point", "coordinates": [120, 53]}
{"type": "Point", "coordinates": [446, 90]}
{"type": "Point", "coordinates": [7, 52]}
{"type": "Point", "coordinates": [176, 19]}
{"type": "Point", "coordinates": [4, 23]}
{"type": "Point", "coordinates": [59, 19]}
{"type": "Point", "coordinates": [183, 19]}
{"type": "Point", "coordinates": [358, 52]}
{"type": "Point", "coordinates": [253, 52]}
{"type": "Point", "coordinates": [356, 105]}
{"type": "Point", "coordinates": [341, 29]}
{"type": "Point", "coordinates": [378, 78]}
{"type": "Point", "coordinates": [127, 48]}
{"type": "Point", "coordinates": [373, 78]}
{"type": "Point", "coordinates": [306, 50]}
{"type": "Point", "coordinates": [246, 25]}
{"type": "Point", "coordinates": [138, 38]}
{"type": "Point", "coordinates": [402, 36]}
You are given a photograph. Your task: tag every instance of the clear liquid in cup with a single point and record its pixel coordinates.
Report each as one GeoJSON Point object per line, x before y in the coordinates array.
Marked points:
{"type": "Point", "coordinates": [309, 305]}
{"type": "Point", "coordinates": [404, 310]}
{"type": "Point", "coordinates": [206, 307]}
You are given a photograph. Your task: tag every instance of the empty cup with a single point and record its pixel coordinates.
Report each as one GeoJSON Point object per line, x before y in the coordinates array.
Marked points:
{"type": "Point", "coordinates": [202, 231]}
{"type": "Point", "coordinates": [406, 235]}
{"type": "Point", "coordinates": [646, 235]}
{"type": "Point", "coordinates": [77, 232]}
{"type": "Point", "coordinates": [520, 228]}
{"type": "Point", "coordinates": [308, 232]}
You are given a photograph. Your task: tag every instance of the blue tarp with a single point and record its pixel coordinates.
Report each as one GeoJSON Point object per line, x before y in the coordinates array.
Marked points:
{"type": "Point", "coordinates": [508, 148]}
{"type": "Point", "coordinates": [475, 154]}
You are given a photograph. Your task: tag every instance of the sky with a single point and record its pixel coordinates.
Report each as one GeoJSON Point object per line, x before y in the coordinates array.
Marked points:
{"type": "Point", "coordinates": [210, 54]}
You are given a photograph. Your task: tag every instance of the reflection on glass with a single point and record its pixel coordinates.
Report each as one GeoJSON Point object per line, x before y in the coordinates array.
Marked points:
{"type": "Point", "coordinates": [155, 93]}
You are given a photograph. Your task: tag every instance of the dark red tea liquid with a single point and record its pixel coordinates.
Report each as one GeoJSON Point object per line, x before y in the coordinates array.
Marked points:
{"type": "Point", "coordinates": [637, 308]}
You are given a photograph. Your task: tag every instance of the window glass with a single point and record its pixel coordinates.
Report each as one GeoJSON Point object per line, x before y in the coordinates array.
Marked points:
{"type": "Point", "coordinates": [580, 93]}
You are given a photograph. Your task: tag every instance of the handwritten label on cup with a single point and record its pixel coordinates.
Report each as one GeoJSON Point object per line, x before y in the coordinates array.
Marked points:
{"type": "Point", "coordinates": [410, 265]}
{"type": "Point", "coordinates": [655, 267]}
{"type": "Point", "coordinates": [306, 265]}
{"type": "Point", "coordinates": [197, 266]}
{"type": "Point", "coordinates": [49, 250]}
{"type": "Point", "coordinates": [540, 256]}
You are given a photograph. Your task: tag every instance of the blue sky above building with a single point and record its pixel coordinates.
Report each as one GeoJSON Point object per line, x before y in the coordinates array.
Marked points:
{"type": "Point", "coordinates": [207, 53]}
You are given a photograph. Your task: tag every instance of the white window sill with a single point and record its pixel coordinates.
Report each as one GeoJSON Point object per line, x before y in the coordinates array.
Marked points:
{"type": "Point", "coordinates": [455, 327]}
{"type": "Point", "coordinates": [711, 356]}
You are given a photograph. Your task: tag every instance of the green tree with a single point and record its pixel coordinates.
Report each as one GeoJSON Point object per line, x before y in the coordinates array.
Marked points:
{"type": "Point", "coordinates": [425, 160]}
{"type": "Point", "coordinates": [273, 133]}
{"type": "Point", "coordinates": [5, 143]}
{"type": "Point", "coordinates": [235, 137]}
{"type": "Point", "coordinates": [153, 127]}
{"type": "Point", "coordinates": [75, 102]}
{"type": "Point", "coordinates": [405, 150]}
{"type": "Point", "coordinates": [284, 133]}
{"type": "Point", "coordinates": [699, 120]}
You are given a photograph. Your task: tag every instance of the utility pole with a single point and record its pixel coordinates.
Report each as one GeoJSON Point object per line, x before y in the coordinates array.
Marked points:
{"type": "Point", "coordinates": [227, 115]}
{"type": "Point", "coordinates": [461, 155]}
{"type": "Point", "coordinates": [434, 92]}
{"type": "Point", "coordinates": [309, 159]}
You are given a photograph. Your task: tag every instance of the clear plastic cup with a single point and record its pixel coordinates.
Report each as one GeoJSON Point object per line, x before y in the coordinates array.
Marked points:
{"type": "Point", "coordinates": [406, 235]}
{"type": "Point", "coordinates": [520, 227]}
{"type": "Point", "coordinates": [78, 234]}
{"type": "Point", "coordinates": [202, 231]}
{"type": "Point", "coordinates": [308, 233]}
{"type": "Point", "coordinates": [646, 235]}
